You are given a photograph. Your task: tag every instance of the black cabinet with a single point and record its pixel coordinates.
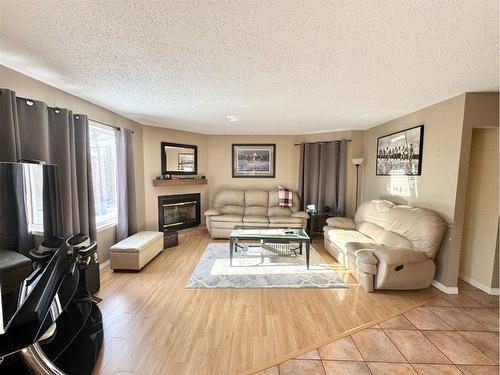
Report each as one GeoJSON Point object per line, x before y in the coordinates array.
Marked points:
{"type": "Point", "coordinates": [170, 239]}
{"type": "Point", "coordinates": [316, 222]}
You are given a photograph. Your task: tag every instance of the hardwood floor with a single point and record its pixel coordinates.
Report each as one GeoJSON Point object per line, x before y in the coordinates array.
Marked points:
{"type": "Point", "coordinates": [155, 326]}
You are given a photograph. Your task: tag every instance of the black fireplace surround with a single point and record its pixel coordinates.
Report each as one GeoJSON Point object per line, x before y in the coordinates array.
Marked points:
{"type": "Point", "coordinates": [178, 211]}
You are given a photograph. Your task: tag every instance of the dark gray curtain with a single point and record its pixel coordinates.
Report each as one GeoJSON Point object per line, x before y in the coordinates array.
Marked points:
{"type": "Point", "coordinates": [127, 207]}
{"type": "Point", "coordinates": [322, 175]}
{"type": "Point", "coordinates": [14, 233]}
{"type": "Point", "coordinates": [53, 211]}
{"type": "Point", "coordinates": [59, 137]}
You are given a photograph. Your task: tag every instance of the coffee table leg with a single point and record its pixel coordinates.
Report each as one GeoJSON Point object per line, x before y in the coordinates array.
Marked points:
{"type": "Point", "coordinates": [300, 250]}
{"type": "Point", "coordinates": [231, 245]}
{"type": "Point", "coordinates": [307, 254]}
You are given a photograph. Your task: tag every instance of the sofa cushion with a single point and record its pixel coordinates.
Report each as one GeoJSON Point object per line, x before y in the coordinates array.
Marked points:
{"type": "Point", "coordinates": [341, 222]}
{"type": "Point", "coordinates": [278, 211]}
{"type": "Point", "coordinates": [285, 220]}
{"type": "Point", "coordinates": [341, 237]}
{"type": "Point", "coordinates": [394, 240]}
{"type": "Point", "coordinates": [371, 230]}
{"type": "Point", "coordinates": [256, 202]}
{"type": "Point", "coordinates": [229, 197]}
{"type": "Point", "coordinates": [233, 210]}
{"type": "Point", "coordinates": [230, 201]}
{"type": "Point", "coordinates": [256, 198]}
{"type": "Point", "coordinates": [256, 211]}
{"type": "Point", "coordinates": [301, 214]}
{"type": "Point", "coordinates": [355, 246]}
{"type": "Point", "coordinates": [255, 219]}
{"type": "Point", "coordinates": [227, 218]}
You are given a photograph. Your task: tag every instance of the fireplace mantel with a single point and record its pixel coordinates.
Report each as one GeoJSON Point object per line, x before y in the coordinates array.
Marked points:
{"type": "Point", "coordinates": [180, 181]}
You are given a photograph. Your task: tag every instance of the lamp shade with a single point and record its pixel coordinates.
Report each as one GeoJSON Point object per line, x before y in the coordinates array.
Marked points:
{"type": "Point", "coordinates": [357, 161]}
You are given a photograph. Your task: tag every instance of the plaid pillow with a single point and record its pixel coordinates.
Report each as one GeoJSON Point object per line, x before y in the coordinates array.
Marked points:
{"type": "Point", "coordinates": [284, 197]}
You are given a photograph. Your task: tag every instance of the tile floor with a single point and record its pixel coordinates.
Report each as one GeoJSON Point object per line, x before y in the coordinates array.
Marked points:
{"type": "Point", "coordinates": [453, 334]}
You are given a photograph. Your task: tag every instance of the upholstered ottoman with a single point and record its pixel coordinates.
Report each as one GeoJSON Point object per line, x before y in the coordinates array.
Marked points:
{"type": "Point", "coordinates": [136, 251]}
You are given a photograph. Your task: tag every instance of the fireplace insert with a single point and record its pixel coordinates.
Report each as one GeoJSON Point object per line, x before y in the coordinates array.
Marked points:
{"type": "Point", "coordinates": [178, 211]}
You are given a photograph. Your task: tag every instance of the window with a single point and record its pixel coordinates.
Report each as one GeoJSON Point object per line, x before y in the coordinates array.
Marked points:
{"type": "Point", "coordinates": [103, 156]}
{"type": "Point", "coordinates": [103, 159]}
{"type": "Point", "coordinates": [33, 177]}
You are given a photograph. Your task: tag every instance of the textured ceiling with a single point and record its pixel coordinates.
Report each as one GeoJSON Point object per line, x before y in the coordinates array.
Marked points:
{"type": "Point", "coordinates": [255, 66]}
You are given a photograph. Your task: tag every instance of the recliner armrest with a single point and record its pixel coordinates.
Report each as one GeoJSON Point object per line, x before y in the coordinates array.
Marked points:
{"type": "Point", "coordinates": [213, 212]}
{"type": "Point", "coordinates": [396, 257]}
{"type": "Point", "coordinates": [366, 256]}
{"type": "Point", "coordinates": [301, 214]}
{"type": "Point", "coordinates": [341, 222]}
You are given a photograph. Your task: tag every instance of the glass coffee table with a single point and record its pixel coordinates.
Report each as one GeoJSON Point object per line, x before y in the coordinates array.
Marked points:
{"type": "Point", "coordinates": [275, 241]}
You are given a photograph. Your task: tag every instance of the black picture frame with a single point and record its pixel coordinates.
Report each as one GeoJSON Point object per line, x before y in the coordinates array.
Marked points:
{"type": "Point", "coordinates": [271, 147]}
{"type": "Point", "coordinates": [164, 159]}
{"type": "Point", "coordinates": [405, 158]}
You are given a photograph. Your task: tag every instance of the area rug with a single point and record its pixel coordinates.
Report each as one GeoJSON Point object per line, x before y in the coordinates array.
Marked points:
{"type": "Point", "coordinates": [252, 270]}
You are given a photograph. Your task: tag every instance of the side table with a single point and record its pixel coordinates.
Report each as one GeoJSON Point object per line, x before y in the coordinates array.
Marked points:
{"type": "Point", "coordinates": [316, 222]}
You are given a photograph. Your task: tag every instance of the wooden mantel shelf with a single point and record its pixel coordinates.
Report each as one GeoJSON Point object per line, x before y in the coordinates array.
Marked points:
{"type": "Point", "coordinates": [180, 181]}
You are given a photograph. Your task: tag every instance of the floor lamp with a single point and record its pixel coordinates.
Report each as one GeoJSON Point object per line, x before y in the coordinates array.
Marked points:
{"type": "Point", "coordinates": [357, 162]}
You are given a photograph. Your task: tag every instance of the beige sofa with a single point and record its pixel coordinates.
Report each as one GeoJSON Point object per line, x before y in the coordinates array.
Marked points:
{"type": "Point", "coordinates": [252, 208]}
{"type": "Point", "coordinates": [387, 246]}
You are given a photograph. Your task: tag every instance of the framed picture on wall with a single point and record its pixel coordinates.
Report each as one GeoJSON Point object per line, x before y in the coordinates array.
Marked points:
{"type": "Point", "coordinates": [254, 160]}
{"type": "Point", "coordinates": [400, 153]}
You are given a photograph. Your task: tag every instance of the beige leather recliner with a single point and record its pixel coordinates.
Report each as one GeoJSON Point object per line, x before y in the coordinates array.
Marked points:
{"type": "Point", "coordinates": [387, 246]}
{"type": "Point", "coordinates": [252, 208]}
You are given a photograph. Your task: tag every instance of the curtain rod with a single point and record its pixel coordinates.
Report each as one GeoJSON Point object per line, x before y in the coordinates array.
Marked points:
{"type": "Point", "coordinates": [111, 126]}
{"type": "Point", "coordinates": [312, 143]}
{"type": "Point", "coordinates": [48, 106]}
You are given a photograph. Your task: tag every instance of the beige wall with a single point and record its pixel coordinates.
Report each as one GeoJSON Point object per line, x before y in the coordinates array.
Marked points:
{"type": "Point", "coordinates": [287, 161]}
{"type": "Point", "coordinates": [152, 138]}
{"type": "Point", "coordinates": [215, 158]}
{"type": "Point", "coordinates": [479, 241]}
{"type": "Point", "coordinates": [443, 183]}
{"type": "Point", "coordinates": [28, 87]}
{"type": "Point", "coordinates": [220, 159]}
{"type": "Point", "coordinates": [436, 187]}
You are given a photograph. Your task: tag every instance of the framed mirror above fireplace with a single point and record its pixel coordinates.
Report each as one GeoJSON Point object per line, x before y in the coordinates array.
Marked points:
{"type": "Point", "coordinates": [179, 159]}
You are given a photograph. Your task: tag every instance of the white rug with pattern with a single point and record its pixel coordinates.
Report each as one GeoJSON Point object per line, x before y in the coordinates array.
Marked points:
{"type": "Point", "coordinates": [252, 270]}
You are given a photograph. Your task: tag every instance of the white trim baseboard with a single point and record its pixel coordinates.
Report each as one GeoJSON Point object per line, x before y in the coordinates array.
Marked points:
{"type": "Point", "coordinates": [479, 285]}
{"type": "Point", "coordinates": [444, 288]}
{"type": "Point", "coordinates": [104, 264]}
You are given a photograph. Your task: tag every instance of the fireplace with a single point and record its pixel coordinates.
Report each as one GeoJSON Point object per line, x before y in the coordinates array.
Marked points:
{"type": "Point", "coordinates": [178, 211]}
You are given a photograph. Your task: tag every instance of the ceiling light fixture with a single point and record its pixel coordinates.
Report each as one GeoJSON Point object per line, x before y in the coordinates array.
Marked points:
{"type": "Point", "coordinates": [232, 118]}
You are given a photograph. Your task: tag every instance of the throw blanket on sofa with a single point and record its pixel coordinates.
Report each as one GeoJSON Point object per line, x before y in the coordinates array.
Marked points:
{"type": "Point", "coordinates": [284, 197]}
